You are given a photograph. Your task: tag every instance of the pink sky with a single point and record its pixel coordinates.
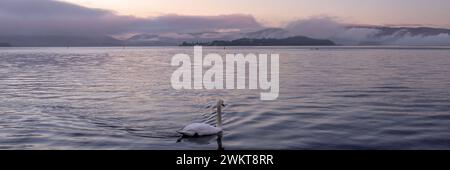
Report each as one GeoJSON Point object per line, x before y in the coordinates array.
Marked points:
{"type": "Point", "coordinates": [279, 12]}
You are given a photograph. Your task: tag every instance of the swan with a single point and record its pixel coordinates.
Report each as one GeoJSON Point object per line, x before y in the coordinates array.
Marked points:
{"type": "Point", "coordinates": [203, 129]}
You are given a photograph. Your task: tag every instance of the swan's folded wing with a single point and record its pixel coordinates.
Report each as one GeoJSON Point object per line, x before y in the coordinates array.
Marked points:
{"type": "Point", "coordinates": [200, 129]}
{"type": "Point", "coordinates": [186, 133]}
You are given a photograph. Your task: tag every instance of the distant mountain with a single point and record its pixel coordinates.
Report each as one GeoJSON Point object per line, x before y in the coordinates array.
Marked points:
{"type": "Point", "coordinates": [290, 41]}
{"type": "Point", "coordinates": [276, 33]}
{"type": "Point", "coordinates": [151, 40]}
{"type": "Point", "coordinates": [364, 35]}
{"type": "Point", "coordinates": [177, 38]}
{"type": "Point", "coordinates": [59, 41]}
{"type": "Point", "coordinates": [5, 45]}
{"type": "Point", "coordinates": [348, 35]}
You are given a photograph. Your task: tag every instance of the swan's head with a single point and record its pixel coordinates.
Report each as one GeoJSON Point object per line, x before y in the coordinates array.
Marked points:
{"type": "Point", "coordinates": [220, 103]}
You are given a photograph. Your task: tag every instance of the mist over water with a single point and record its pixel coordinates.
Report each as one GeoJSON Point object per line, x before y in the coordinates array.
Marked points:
{"type": "Point", "coordinates": [331, 98]}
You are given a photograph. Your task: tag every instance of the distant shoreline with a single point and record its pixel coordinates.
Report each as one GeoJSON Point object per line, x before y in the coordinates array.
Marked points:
{"type": "Point", "coordinates": [290, 41]}
{"type": "Point", "coordinates": [336, 47]}
{"type": "Point", "coordinates": [5, 45]}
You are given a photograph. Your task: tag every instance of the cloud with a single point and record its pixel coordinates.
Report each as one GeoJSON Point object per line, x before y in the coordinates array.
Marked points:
{"type": "Point", "coordinates": [178, 23]}
{"type": "Point", "coordinates": [316, 27]}
{"type": "Point", "coordinates": [44, 17]}
{"type": "Point", "coordinates": [331, 28]}
{"type": "Point", "coordinates": [421, 40]}
{"type": "Point", "coordinates": [351, 34]}
{"type": "Point", "coordinates": [31, 17]}
{"type": "Point", "coordinates": [49, 17]}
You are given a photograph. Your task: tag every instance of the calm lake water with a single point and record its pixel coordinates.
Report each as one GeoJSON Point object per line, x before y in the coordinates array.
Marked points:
{"type": "Point", "coordinates": [333, 98]}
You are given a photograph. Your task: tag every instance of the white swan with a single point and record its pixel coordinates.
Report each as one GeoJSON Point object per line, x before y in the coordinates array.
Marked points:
{"type": "Point", "coordinates": [203, 129]}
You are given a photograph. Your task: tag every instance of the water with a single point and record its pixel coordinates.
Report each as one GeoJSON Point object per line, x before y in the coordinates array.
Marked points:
{"type": "Point", "coordinates": [115, 98]}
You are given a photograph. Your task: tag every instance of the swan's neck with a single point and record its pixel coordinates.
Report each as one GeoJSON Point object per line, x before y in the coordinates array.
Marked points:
{"type": "Point", "coordinates": [219, 116]}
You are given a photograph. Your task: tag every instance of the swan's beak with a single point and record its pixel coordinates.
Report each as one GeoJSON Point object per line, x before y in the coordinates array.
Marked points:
{"type": "Point", "coordinates": [215, 107]}
{"type": "Point", "coordinates": [220, 103]}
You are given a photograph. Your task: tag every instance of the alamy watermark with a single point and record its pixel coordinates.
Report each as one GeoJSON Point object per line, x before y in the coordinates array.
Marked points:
{"type": "Point", "coordinates": [207, 72]}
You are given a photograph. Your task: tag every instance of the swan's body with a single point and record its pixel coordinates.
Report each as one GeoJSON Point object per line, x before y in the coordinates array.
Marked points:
{"type": "Point", "coordinates": [203, 129]}
{"type": "Point", "coordinates": [200, 129]}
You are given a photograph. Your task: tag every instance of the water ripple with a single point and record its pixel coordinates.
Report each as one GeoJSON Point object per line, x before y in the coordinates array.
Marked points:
{"type": "Point", "coordinates": [114, 98]}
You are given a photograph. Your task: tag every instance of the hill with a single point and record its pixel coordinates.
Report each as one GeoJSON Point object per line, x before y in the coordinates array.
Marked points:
{"type": "Point", "coordinates": [290, 41]}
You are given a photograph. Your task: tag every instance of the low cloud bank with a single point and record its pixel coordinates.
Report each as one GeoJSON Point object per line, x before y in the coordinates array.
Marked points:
{"type": "Point", "coordinates": [43, 17]}
{"type": "Point", "coordinates": [348, 34]}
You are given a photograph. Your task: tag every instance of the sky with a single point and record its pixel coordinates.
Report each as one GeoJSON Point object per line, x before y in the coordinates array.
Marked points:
{"type": "Point", "coordinates": [215, 18]}
{"type": "Point", "coordinates": [281, 12]}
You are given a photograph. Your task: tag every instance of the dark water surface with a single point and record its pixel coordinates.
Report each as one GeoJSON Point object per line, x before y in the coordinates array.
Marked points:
{"type": "Point", "coordinates": [114, 98]}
